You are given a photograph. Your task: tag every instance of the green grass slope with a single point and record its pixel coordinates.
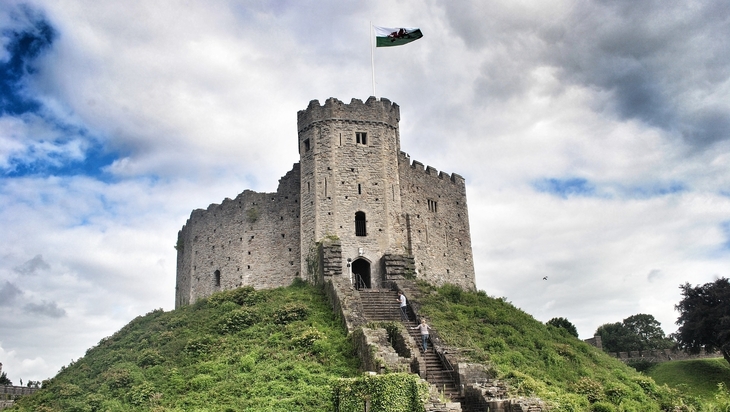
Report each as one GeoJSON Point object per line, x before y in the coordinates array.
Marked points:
{"type": "Point", "coordinates": [541, 360]}
{"type": "Point", "coordinates": [283, 350]}
{"type": "Point", "coordinates": [699, 377]}
{"type": "Point", "coordinates": [274, 350]}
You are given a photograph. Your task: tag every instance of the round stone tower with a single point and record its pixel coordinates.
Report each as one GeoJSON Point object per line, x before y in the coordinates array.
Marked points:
{"type": "Point", "coordinates": [350, 185]}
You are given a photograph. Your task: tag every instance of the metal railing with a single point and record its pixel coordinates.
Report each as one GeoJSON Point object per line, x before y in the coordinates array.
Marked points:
{"type": "Point", "coordinates": [359, 284]}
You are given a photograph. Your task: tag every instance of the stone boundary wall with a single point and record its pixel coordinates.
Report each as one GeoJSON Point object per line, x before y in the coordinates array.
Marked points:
{"type": "Point", "coordinates": [656, 355]}
{"type": "Point", "coordinates": [437, 224]}
{"type": "Point", "coordinates": [252, 240]}
{"type": "Point", "coordinates": [9, 394]}
{"type": "Point", "coordinates": [664, 355]}
{"type": "Point", "coordinates": [377, 354]}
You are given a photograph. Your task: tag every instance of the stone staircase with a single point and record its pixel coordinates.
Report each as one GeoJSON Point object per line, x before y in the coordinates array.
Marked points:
{"type": "Point", "coordinates": [382, 306]}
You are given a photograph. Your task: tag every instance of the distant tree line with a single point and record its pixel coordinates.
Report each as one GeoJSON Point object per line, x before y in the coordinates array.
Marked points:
{"type": "Point", "coordinates": [704, 323]}
{"type": "Point", "coordinates": [639, 332]}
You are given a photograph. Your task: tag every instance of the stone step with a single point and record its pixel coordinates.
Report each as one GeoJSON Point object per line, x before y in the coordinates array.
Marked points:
{"type": "Point", "coordinates": [383, 306]}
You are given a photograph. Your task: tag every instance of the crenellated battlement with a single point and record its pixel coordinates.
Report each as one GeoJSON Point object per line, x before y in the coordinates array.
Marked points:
{"type": "Point", "coordinates": [432, 171]}
{"type": "Point", "coordinates": [352, 183]}
{"type": "Point", "coordinates": [372, 110]}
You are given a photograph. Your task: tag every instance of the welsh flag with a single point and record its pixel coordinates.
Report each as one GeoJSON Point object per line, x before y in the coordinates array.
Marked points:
{"type": "Point", "coordinates": [387, 36]}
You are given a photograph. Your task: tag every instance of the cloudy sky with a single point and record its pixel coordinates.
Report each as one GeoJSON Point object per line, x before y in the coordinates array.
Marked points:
{"type": "Point", "coordinates": [594, 137]}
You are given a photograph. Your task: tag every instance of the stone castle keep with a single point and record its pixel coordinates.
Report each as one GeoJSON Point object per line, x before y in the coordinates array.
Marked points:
{"type": "Point", "coordinates": [353, 187]}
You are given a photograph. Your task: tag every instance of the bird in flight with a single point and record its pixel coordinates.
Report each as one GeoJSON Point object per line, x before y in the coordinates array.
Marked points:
{"type": "Point", "coordinates": [545, 278]}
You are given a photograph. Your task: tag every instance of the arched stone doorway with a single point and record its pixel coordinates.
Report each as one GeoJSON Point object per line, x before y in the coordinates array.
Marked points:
{"type": "Point", "coordinates": [361, 273]}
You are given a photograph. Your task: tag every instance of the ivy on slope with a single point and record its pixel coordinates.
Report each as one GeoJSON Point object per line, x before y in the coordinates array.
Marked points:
{"type": "Point", "coordinates": [241, 350]}
{"type": "Point", "coordinates": [537, 359]}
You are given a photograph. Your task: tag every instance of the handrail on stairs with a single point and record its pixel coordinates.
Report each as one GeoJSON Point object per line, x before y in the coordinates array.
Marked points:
{"type": "Point", "coordinates": [382, 285]}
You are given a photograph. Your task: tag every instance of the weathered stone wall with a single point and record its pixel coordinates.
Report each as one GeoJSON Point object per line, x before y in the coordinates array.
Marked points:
{"type": "Point", "coordinates": [350, 164]}
{"type": "Point", "coordinates": [437, 224]}
{"type": "Point", "coordinates": [9, 393]}
{"type": "Point", "coordinates": [378, 355]}
{"type": "Point", "coordinates": [663, 355]}
{"type": "Point", "coordinates": [252, 240]}
{"type": "Point", "coordinates": [342, 176]}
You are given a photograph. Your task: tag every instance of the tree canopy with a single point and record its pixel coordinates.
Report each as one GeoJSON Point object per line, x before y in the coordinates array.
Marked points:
{"type": "Point", "coordinates": [564, 324]}
{"type": "Point", "coordinates": [704, 317]}
{"type": "Point", "coordinates": [4, 379]}
{"type": "Point", "coordinates": [635, 333]}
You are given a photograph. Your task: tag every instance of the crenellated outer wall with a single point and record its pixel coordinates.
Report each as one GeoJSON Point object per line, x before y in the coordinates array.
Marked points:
{"type": "Point", "coordinates": [264, 239]}
{"type": "Point", "coordinates": [252, 240]}
{"type": "Point", "coordinates": [437, 224]}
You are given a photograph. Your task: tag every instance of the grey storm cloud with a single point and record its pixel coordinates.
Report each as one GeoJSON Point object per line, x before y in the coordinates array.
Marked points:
{"type": "Point", "coordinates": [662, 62]}
{"type": "Point", "coordinates": [32, 266]}
{"type": "Point", "coordinates": [8, 293]}
{"type": "Point", "coordinates": [49, 309]}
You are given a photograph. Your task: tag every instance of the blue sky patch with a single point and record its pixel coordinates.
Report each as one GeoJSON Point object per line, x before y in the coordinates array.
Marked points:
{"type": "Point", "coordinates": [580, 187]}
{"type": "Point", "coordinates": [656, 190]}
{"type": "Point", "coordinates": [23, 46]}
{"type": "Point", "coordinates": [74, 151]}
{"type": "Point", "coordinates": [95, 159]}
{"type": "Point", "coordinates": [566, 187]}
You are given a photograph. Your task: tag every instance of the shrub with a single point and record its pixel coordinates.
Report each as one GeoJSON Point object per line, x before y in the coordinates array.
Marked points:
{"type": "Point", "coordinates": [602, 407]}
{"type": "Point", "coordinates": [245, 296]}
{"type": "Point", "coordinates": [307, 339]}
{"type": "Point", "coordinates": [149, 357]}
{"type": "Point", "coordinates": [201, 382]}
{"type": "Point", "coordinates": [252, 214]}
{"type": "Point", "coordinates": [616, 392]}
{"type": "Point", "coordinates": [140, 394]}
{"type": "Point", "coordinates": [199, 346]}
{"type": "Point", "coordinates": [117, 378]}
{"type": "Point", "coordinates": [451, 292]}
{"type": "Point", "coordinates": [591, 389]}
{"type": "Point", "coordinates": [290, 313]}
{"type": "Point", "coordinates": [68, 390]}
{"type": "Point", "coordinates": [237, 320]}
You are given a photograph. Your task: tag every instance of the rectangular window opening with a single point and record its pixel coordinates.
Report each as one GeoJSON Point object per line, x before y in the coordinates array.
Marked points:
{"type": "Point", "coordinates": [361, 138]}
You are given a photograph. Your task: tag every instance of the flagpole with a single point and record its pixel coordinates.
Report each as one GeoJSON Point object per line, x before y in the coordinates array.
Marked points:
{"type": "Point", "coordinates": [372, 57]}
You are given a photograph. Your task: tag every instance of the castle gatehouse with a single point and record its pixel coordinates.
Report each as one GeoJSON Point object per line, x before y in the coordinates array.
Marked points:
{"type": "Point", "coordinates": [353, 185]}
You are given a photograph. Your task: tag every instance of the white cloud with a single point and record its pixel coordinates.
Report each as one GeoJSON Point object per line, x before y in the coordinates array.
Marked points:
{"type": "Point", "coordinates": [198, 102]}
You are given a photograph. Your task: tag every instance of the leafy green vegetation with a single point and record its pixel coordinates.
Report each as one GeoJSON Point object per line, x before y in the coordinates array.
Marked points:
{"type": "Point", "coordinates": [240, 350]}
{"type": "Point", "coordinates": [396, 392]}
{"type": "Point", "coordinates": [636, 333]}
{"type": "Point", "coordinates": [284, 350]}
{"type": "Point", "coordinates": [696, 377]}
{"type": "Point", "coordinates": [563, 323]}
{"type": "Point", "coordinates": [703, 317]}
{"type": "Point", "coordinates": [544, 361]}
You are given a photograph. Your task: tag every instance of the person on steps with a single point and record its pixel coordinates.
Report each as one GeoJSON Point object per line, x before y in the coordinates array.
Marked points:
{"type": "Point", "coordinates": [403, 306]}
{"type": "Point", "coordinates": [424, 333]}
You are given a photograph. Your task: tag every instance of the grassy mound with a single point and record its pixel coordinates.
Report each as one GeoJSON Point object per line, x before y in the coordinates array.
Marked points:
{"type": "Point", "coordinates": [283, 350]}
{"type": "Point", "coordinates": [242, 350]}
{"type": "Point", "coordinates": [541, 360]}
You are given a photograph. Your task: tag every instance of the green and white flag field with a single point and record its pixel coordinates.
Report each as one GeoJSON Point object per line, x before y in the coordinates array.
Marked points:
{"type": "Point", "coordinates": [398, 36]}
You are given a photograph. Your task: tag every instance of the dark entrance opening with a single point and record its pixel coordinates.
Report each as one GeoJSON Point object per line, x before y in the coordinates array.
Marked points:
{"type": "Point", "coordinates": [361, 273]}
